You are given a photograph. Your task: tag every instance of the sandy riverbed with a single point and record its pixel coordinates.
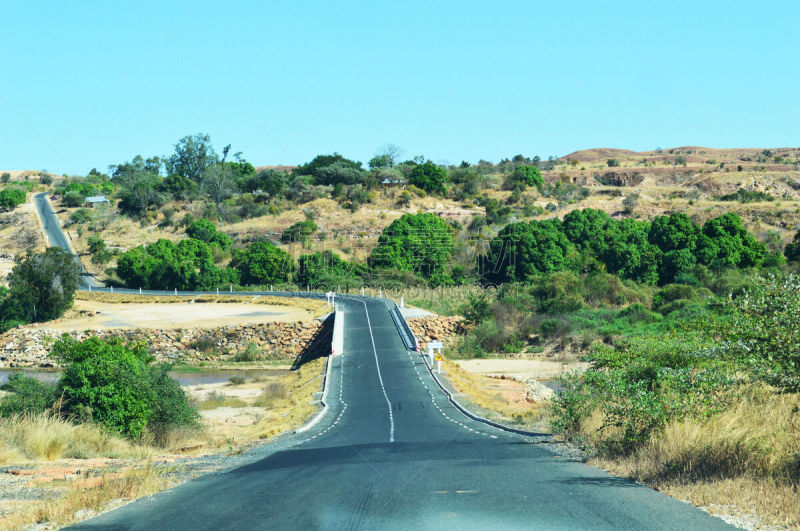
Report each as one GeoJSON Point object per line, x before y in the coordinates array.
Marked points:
{"type": "Point", "coordinates": [100, 315]}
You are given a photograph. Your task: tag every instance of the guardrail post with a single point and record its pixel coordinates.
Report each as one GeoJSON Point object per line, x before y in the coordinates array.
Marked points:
{"type": "Point", "coordinates": [217, 290]}
{"type": "Point", "coordinates": [270, 288]}
{"type": "Point", "coordinates": [140, 291]}
{"type": "Point", "coordinates": [231, 288]}
{"type": "Point", "coordinates": [112, 289]}
{"type": "Point", "coordinates": [380, 293]}
{"type": "Point", "coordinates": [176, 291]}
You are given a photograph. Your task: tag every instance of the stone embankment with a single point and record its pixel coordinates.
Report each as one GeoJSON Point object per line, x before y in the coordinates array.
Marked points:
{"type": "Point", "coordinates": [437, 328]}
{"type": "Point", "coordinates": [29, 346]}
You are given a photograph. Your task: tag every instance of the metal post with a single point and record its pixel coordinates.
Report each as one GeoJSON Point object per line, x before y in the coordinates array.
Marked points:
{"type": "Point", "coordinates": [402, 303]}
{"type": "Point", "coordinates": [271, 288]}
{"type": "Point", "coordinates": [362, 291]}
{"type": "Point", "coordinates": [380, 293]}
{"type": "Point", "coordinates": [176, 291]}
{"type": "Point", "coordinates": [439, 367]}
{"type": "Point", "coordinates": [140, 291]}
{"type": "Point", "coordinates": [112, 289]}
{"type": "Point", "coordinates": [231, 288]}
{"type": "Point", "coordinates": [430, 353]}
{"type": "Point", "coordinates": [217, 290]}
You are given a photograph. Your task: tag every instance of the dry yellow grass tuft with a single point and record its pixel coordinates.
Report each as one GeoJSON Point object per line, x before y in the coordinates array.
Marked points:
{"type": "Point", "coordinates": [747, 457]}
{"type": "Point", "coordinates": [46, 437]}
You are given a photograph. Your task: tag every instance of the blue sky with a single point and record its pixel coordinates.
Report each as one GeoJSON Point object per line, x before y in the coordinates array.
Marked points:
{"type": "Point", "coordinates": [87, 84]}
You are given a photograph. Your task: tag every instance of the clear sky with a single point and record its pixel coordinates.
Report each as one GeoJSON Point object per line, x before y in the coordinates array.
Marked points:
{"type": "Point", "coordinates": [87, 84]}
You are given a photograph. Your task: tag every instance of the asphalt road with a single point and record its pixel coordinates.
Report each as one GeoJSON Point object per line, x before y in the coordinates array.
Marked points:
{"type": "Point", "coordinates": [56, 237]}
{"type": "Point", "coordinates": [392, 453]}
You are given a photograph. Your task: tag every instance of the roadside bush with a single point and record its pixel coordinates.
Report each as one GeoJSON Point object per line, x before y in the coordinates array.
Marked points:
{"type": "Point", "coordinates": [113, 384]}
{"type": "Point", "coordinates": [27, 396]}
{"type": "Point", "coordinates": [11, 198]}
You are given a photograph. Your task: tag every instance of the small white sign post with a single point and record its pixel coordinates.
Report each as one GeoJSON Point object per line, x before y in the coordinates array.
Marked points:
{"type": "Point", "coordinates": [434, 345]}
{"type": "Point", "coordinates": [402, 303]}
{"type": "Point", "coordinates": [331, 296]}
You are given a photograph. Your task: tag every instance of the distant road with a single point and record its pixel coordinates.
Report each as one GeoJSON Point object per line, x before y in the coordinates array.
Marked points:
{"type": "Point", "coordinates": [393, 453]}
{"type": "Point", "coordinates": [57, 238]}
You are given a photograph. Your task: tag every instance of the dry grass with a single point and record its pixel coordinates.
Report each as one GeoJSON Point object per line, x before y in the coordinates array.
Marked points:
{"type": "Point", "coordinates": [747, 458]}
{"type": "Point", "coordinates": [317, 307]}
{"type": "Point", "coordinates": [95, 495]}
{"type": "Point", "coordinates": [46, 437]}
{"type": "Point", "coordinates": [482, 391]}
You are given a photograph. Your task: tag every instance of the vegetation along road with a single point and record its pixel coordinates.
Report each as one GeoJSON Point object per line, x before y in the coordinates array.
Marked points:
{"type": "Point", "coordinates": [392, 452]}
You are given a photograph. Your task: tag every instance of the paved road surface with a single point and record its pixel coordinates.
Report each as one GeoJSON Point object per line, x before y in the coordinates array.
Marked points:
{"type": "Point", "coordinates": [56, 237]}
{"type": "Point", "coordinates": [392, 453]}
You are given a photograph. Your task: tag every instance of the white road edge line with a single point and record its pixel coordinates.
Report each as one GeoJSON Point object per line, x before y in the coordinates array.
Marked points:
{"type": "Point", "coordinates": [380, 378]}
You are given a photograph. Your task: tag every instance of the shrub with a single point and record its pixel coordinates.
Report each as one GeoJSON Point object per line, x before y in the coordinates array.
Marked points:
{"type": "Point", "coordinates": [204, 230]}
{"type": "Point", "coordinates": [73, 199]}
{"type": "Point", "coordinates": [422, 243]}
{"type": "Point", "coordinates": [299, 232]}
{"type": "Point", "coordinates": [263, 263]}
{"type": "Point", "coordinates": [430, 177]}
{"type": "Point", "coordinates": [11, 198]}
{"type": "Point", "coordinates": [27, 396]}
{"type": "Point", "coordinates": [114, 384]}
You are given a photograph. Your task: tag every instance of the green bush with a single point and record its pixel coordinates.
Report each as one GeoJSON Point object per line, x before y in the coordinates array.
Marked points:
{"type": "Point", "coordinates": [204, 230]}
{"type": "Point", "coordinates": [11, 198]}
{"type": "Point", "coordinates": [27, 395]}
{"type": "Point", "coordinates": [422, 243]}
{"type": "Point", "coordinates": [299, 232]}
{"type": "Point", "coordinates": [262, 263]}
{"type": "Point", "coordinates": [113, 384]}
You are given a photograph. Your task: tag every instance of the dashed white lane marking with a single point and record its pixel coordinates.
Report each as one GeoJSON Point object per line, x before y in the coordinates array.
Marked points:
{"type": "Point", "coordinates": [380, 378]}
{"type": "Point", "coordinates": [436, 405]}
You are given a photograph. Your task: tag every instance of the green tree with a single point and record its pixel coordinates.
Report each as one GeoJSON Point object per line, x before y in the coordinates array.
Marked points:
{"type": "Point", "coordinates": [204, 230]}
{"type": "Point", "coordinates": [430, 177]}
{"type": "Point", "coordinates": [262, 263]}
{"type": "Point", "coordinates": [188, 265]}
{"type": "Point", "coordinates": [11, 198]}
{"type": "Point", "coordinates": [193, 154]}
{"type": "Point", "coordinates": [523, 250]}
{"type": "Point", "coordinates": [42, 285]}
{"type": "Point", "coordinates": [422, 243]}
{"type": "Point", "coordinates": [326, 270]}
{"type": "Point", "coordinates": [727, 243]}
{"type": "Point", "coordinates": [524, 176]}
{"type": "Point", "coordinates": [271, 182]}
{"type": "Point", "coordinates": [299, 232]}
{"type": "Point", "coordinates": [332, 169]}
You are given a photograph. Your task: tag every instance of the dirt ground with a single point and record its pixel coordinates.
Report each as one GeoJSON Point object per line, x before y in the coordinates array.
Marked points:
{"type": "Point", "coordinates": [521, 369]}
{"type": "Point", "coordinates": [99, 315]}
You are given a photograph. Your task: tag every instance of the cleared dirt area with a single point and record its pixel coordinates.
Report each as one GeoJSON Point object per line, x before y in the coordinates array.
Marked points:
{"type": "Point", "coordinates": [520, 369]}
{"type": "Point", "coordinates": [99, 315]}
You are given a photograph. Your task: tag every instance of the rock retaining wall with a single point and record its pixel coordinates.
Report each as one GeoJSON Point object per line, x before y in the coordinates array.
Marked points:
{"type": "Point", "coordinates": [29, 347]}
{"type": "Point", "coordinates": [437, 328]}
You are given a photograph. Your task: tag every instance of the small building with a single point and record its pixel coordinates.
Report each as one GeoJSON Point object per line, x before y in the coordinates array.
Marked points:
{"type": "Point", "coordinates": [91, 201]}
{"type": "Point", "coordinates": [391, 183]}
